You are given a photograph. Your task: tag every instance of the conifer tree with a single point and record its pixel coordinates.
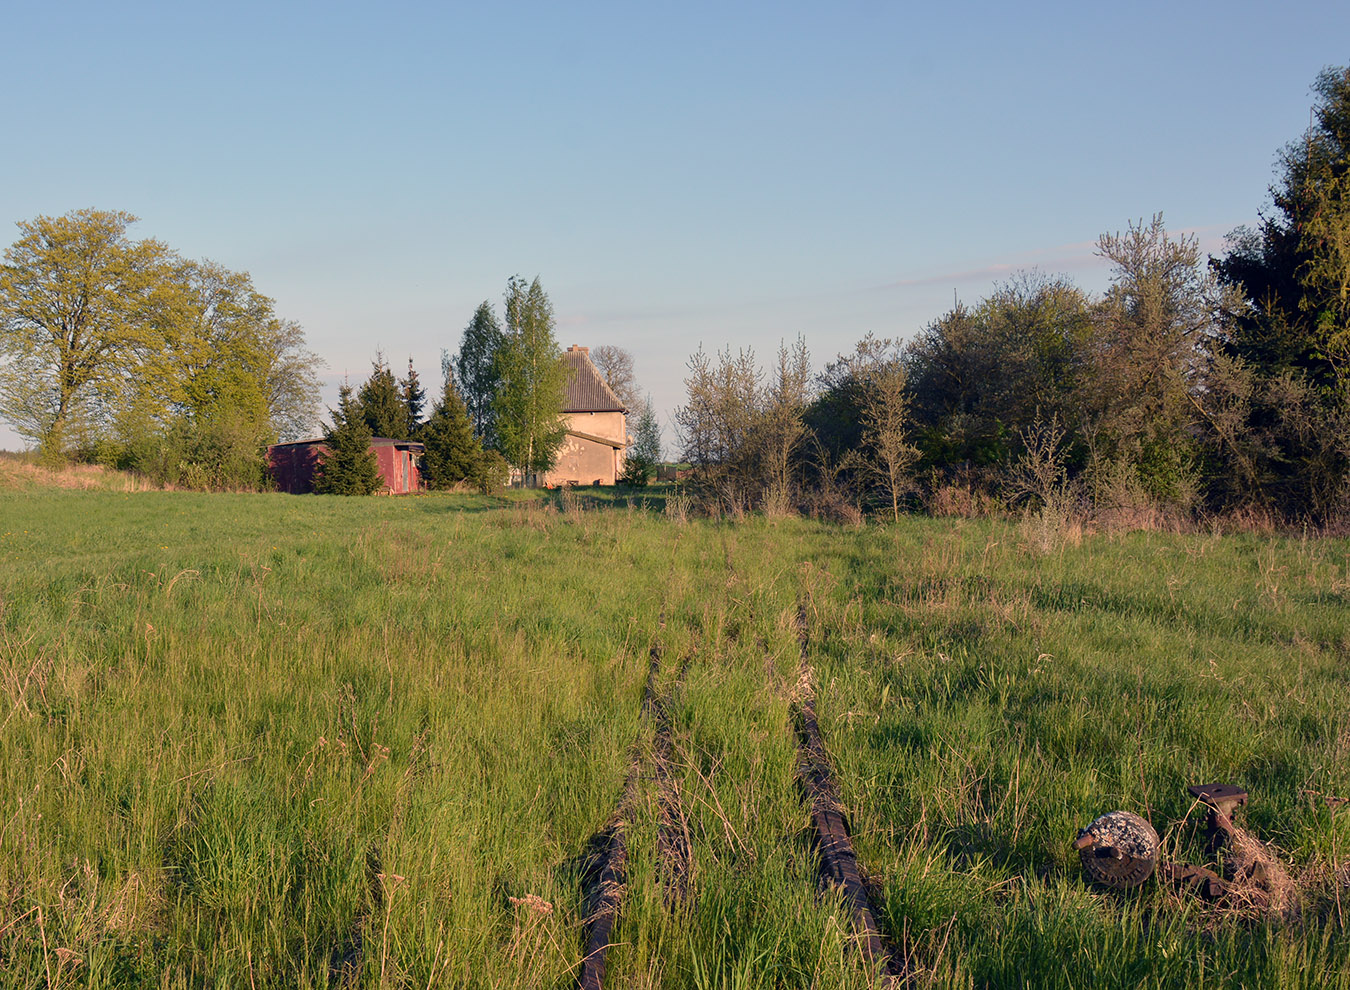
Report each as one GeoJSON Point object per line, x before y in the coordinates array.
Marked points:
{"type": "Point", "coordinates": [453, 454]}
{"type": "Point", "coordinates": [641, 458]}
{"type": "Point", "coordinates": [349, 467]}
{"type": "Point", "coordinates": [1277, 400]}
{"type": "Point", "coordinates": [381, 403]}
{"type": "Point", "coordinates": [414, 401]}
{"type": "Point", "coordinates": [476, 369]}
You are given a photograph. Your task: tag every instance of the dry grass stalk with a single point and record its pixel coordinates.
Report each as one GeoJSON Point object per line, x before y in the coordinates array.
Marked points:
{"type": "Point", "coordinates": [1258, 876]}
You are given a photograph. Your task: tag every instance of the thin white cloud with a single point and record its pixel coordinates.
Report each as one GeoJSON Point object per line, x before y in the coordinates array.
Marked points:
{"type": "Point", "coordinates": [1066, 258]}
{"type": "Point", "coordinates": [1063, 257]}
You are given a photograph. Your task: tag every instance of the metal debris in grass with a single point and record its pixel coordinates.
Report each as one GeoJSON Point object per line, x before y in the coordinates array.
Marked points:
{"type": "Point", "coordinates": [1121, 850]}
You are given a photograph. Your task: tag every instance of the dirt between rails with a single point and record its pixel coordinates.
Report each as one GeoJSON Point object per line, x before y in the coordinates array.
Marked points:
{"type": "Point", "coordinates": [606, 876]}
{"type": "Point", "coordinates": [672, 829]}
{"type": "Point", "coordinates": [838, 860]}
{"type": "Point", "coordinates": [348, 959]}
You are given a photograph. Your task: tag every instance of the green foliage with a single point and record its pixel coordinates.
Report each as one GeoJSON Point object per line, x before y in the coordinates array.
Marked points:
{"type": "Point", "coordinates": [1278, 413]}
{"type": "Point", "coordinates": [121, 350]}
{"type": "Point", "coordinates": [1151, 336]}
{"type": "Point", "coordinates": [641, 458]}
{"type": "Point", "coordinates": [414, 401]}
{"type": "Point", "coordinates": [219, 449]}
{"type": "Point", "coordinates": [453, 454]}
{"type": "Point", "coordinates": [1320, 183]}
{"type": "Point", "coordinates": [979, 376]}
{"type": "Point", "coordinates": [238, 351]}
{"type": "Point", "coordinates": [532, 382]}
{"type": "Point", "coordinates": [476, 368]}
{"type": "Point", "coordinates": [381, 403]}
{"type": "Point", "coordinates": [349, 466]}
{"type": "Point", "coordinates": [1120, 375]}
{"type": "Point", "coordinates": [84, 313]}
{"type": "Point", "coordinates": [494, 473]}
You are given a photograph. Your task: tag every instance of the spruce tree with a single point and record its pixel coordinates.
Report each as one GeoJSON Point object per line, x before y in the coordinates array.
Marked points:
{"type": "Point", "coordinates": [641, 458]}
{"type": "Point", "coordinates": [381, 403]}
{"type": "Point", "coordinates": [414, 401]}
{"type": "Point", "coordinates": [476, 369]}
{"type": "Point", "coordinates": [453, 454]}
{"type": "Point", "coordinates": [349, 467]}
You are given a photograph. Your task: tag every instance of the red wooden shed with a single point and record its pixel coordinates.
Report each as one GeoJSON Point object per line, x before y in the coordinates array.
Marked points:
{"type": "Point", "coordinates": [295, 466]}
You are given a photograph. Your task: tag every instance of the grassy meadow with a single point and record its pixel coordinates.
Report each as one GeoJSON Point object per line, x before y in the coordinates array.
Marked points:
{"type": "Point", "coordinates": [272, 741]}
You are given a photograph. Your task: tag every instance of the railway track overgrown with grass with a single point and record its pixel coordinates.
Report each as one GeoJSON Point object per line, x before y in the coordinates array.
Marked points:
{"type": "Point", "coordinates": [266, 741]}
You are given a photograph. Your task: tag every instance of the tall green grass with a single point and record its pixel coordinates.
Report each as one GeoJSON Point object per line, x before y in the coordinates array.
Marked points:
{"type": "Point", "coordinates": [269, 741]}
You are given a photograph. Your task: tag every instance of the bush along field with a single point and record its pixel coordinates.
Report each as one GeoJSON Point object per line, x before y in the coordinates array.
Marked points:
{"type": "Point", "coordinates": [453, 741]}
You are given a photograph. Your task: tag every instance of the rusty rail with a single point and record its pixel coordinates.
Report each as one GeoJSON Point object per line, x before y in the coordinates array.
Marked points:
{"type": "Point", "coordinates": [607, 894]}
{"type": "Point", "coordinates": [611, 859]}
{"type": "Point", "coordinates": [838, 860]}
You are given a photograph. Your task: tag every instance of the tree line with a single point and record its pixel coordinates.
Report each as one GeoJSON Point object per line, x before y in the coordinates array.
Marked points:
{"type": "Point", "coordinates": [120, 351]}
{"type": "Point", "coordinates": [500, 408]}
{"type": "Point", "coordinates": [123, 352]}
{"type": "Point", "coordinates": [1190, 386]}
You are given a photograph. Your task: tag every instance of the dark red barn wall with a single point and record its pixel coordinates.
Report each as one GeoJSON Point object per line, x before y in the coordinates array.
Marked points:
{"type": "Point", "coordinates": [295, 466]}
{"type": "Point", "coordinates": [398, 468]}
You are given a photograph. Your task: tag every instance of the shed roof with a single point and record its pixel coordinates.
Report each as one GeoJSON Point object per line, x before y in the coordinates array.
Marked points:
{"type": "Point", "coordinates": [412, 445]}
{"type": "Point", "coordinates": [586, 388]}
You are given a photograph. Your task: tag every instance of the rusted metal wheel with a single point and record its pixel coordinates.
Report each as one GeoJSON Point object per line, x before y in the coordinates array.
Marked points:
{"type": "Point", "coordinates": [1118, 850]}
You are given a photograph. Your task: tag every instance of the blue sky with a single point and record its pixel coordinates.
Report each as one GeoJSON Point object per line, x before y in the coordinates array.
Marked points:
{"type": "Point", "coordinates": [675, 175]}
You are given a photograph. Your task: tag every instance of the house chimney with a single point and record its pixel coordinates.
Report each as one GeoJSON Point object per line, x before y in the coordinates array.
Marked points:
{"type": "Point", "coordinates": [578, 347]}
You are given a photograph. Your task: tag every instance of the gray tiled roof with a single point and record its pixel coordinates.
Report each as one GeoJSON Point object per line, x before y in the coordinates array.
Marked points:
{"type": "Point", "coordinates": [586, 389]}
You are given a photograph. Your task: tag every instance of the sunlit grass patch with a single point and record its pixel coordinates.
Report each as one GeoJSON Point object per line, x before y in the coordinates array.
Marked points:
{"type": "Point", "coordinates": [266, 740]}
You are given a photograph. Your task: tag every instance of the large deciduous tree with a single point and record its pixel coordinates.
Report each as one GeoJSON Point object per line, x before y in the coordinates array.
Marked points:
{"type": "Point", "coordinates": [121, 349]}
{"type": "Point", "coordinates": [615, 365]}
{"type": "Point", "coordinates": [235, 331]}
{"type": "Point", "coordinates": [233, 378]}
{"type": "Point", "coordinates": [532, 382]}
{"type": "Point", "coordinates": [82, 309]}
